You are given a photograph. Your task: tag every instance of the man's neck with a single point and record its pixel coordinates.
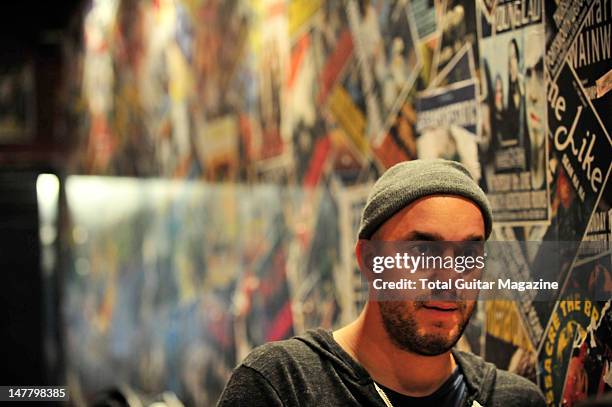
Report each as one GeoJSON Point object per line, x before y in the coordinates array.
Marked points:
{"type": "Point", "coordinates": [408, 373]}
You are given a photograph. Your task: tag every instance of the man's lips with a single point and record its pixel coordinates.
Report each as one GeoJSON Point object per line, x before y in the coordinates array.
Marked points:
{"type": "Point", "coordinates": [441, 306]}
{"type": "Point", "coordinates": [535, 117]}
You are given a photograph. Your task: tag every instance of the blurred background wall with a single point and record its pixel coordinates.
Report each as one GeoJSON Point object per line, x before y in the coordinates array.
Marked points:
{"type": "Point", "coordinates": [182, 180]}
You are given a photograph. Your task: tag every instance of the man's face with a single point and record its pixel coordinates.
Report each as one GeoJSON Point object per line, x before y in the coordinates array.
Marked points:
{"type": "Point", "coordinates": [535, 107]}
{"type": "Point", "coordinates": [430, 327]}
{"type": "Point", "coordinates": [513, 61]}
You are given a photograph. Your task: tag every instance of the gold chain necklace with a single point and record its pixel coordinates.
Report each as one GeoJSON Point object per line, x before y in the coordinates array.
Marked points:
{"type": "Point", "coordinates": [383, 395]}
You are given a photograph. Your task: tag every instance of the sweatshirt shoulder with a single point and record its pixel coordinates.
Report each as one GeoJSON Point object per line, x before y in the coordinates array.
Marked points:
{"type": "Point", "coordinates": [498, 387]}
{"type": "Point", "coordinates": [514, 390]}
{"type": "Point", "coordinates": [279, 353]}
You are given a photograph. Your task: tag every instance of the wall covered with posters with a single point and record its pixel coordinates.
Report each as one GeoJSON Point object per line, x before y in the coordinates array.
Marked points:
{"type": "Point", "coordinates": [251, 131]}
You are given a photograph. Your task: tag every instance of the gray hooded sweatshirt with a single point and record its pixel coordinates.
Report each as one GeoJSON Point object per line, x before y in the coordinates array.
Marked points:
{"type": "Point", "coordinates": [313, 370]}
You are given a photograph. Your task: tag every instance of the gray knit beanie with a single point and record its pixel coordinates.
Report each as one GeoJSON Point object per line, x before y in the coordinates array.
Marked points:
{"type": "Point", "coordinates": [408, 181]}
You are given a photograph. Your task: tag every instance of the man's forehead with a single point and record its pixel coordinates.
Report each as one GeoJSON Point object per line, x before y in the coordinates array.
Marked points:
{"type": "Point", "coordinates": [435, 217]}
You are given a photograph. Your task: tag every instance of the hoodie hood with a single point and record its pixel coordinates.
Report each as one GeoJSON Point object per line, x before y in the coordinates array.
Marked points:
{"type": "Point", "coordinates": [479, 376]}
{"type": "Point", "coordinates": [322, 341]}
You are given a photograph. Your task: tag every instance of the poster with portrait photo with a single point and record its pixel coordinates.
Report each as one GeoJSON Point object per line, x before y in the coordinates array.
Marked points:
{"type": "Point", "coordinates": [513, 144]}
{"type": "Point", "coordinates": [386, 46]}
{"type": "Point", "coordinates": [568, 224]}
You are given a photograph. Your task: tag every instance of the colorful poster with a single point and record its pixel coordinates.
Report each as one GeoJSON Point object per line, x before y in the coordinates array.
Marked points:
{"type": "Point", "coordinates": [385, 36]}
{"type": "Point", "coordinates": [309, 140]}
{"type": "Point", "coordinates": [348, 162]}
{"type": "Point", "coordinates": [447, 120]}
{"type": "Point", "coordinates": [97, 86]}
{"type": "Point", "coordinates": [334, 46]}
{"type": "Point", "coordinates": [588, 372]}
{"type": "Point", "coordinates": [458, 28]}
{"type": "Point", "coordinates": [589, 53]}
{"type": "Point", "coordinates": [352, 292]}
{"type": "Point", "coordinates": [216, 52]}
{"type": "Point", "coordinates": [141, 295]}
{"type": "Point", "coordinates": [513, 142]}
{"type": "Point", "coordinates": [271, 52]}
{"type": "Point", "coordinates": [580, 163]}
{"type": "Point", "coordinates": [347, 107]}
{"type": "Point", "coordinates": [568, 325]}
{"type": "Point", "coordinates": [507, 343]}
{"type": "Point", "coordinates": [291, 109]}
{"type": "Point", "coordinates": [473, 338]}
{"type": "Point", "coordinates": [315, 258]}
{"type": "Point", "coordinates": [565, 20]}
{"type": "Point", "coordinates": [145, 301]}
{"type": "Point", "coordinates": [580, 160]}
{"type": "Point", "coordinates": [400, 142]}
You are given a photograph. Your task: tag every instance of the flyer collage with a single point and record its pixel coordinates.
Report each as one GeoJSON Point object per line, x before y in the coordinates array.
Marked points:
{"type": "Point", "coordinates": [248, 134]}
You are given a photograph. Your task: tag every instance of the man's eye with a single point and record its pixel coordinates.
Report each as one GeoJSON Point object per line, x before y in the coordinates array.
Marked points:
{"type": "Point", "coordinates": [428, 249]}
{"type": "Point", "coordinates": [423, 248]}
{"type": "Point", "coordinates": [467, 252]}
{"type": "Point", "coordinates": [416, 249]}
{"type": "Point", "coordinates": [471, 250]}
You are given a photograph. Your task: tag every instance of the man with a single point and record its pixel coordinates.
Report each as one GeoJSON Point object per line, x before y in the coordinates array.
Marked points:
{"type": "Point", "coordinates": [396, 353]}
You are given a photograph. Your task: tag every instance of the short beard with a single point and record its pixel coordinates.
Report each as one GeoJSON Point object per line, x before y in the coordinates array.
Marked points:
{"type": "Point", "coordinates": [403, 330]}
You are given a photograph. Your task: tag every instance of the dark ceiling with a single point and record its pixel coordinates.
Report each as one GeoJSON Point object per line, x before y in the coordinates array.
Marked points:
{"type": "Point", "coordinates": [33, 32]}
{"type": "Point", "coordinates": [32, 24]}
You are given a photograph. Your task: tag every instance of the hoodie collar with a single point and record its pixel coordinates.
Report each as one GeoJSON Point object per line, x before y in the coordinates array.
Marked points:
{"type": "Point", "coordinates": [322, 341]}
{"type": "Point", "coordinates": [479, 375]}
